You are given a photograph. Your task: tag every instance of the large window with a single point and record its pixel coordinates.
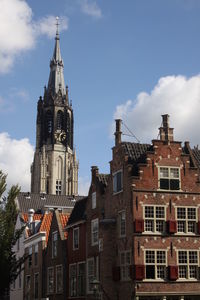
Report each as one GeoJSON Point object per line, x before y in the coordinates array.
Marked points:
{"type": "Point", "coordinates": [154, 218]}
{"type": "Point", "coordinates": [50, 280]}
{"type": "Point", "coordinates": [169, 178]}
{"type": "Point", "coordinates": [186, 219]}
{"type": "Point", "coordinates": [59, 279]}
{"type": "Point", "coordinates": [122, 223]}
{"type": "Point", "coordinates": [36, 283]}
{"type": "Point", "coordinates": [90, 274]}
{"type": "Point", "coordinates": [54, 244]}
{"type": "Point", "coordinates": [72, 280]}
{"type": "Point", "coordinates": [125, 261]}
{"type": "Point", "coordinates": [117, 182]}
{"type": "Point", "coordinates": [95, 232]}
{"type": "Point", "coordinates": [75, 238]}
{"type": "Point", "coordinates": [188, 264]}
{"type": "Point", "coordinates": [81, 278]}
{"type": "Point", "coordinates": [155, 261]}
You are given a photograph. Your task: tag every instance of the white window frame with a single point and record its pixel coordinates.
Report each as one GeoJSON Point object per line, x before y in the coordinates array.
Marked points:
{"type": "Point", "coordinates": [186, 220]}
{"type": "Point", "coordinates": [75, 230]}
{"type": "Point", "coordinates": [155, 219]}
{"type": "Point", "coordinates": [117, 189]}
{"type": "Point", "coordinates": [92, 275]}
{"type": "Point", "coordinates": [122, 223]}
{"type": "Point", "coordinates": [48, 271]}
{"type": "Point", "coordinates": [169, 177]}
{"type": "Point", "coordinates": [94, 200]}
{"type": "Point", "coordinates": [73, 293]}
{"type": "Point", "coordinates": [34, 285]}
{"type": "Point", "coordinates": [125, 266]}
{"type": "Point", "coordinates": [78, 278]}
{"type": "Point", "coordinates": [54, 242]}
{"type": "Point", "coordinates": [57, 267]}
{"type": "Point", "coordinates": [95, 224]}
{"type": "Point", "coordinates": [156, 264]}
{"type": "Point", "coordinates": [188, 265]}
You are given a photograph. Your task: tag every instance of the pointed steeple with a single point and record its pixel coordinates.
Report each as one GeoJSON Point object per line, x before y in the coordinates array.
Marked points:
{"type": "Point", "coordinates": [56, 77]}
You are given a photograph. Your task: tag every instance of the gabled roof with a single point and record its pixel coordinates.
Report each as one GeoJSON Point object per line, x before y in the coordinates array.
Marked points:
{"type": "Point", "coordinates": [78, 213]}
{"type": "Point", "coordinates": [136, 151]}
{"type": "Point", "coordinates": [26, 201]}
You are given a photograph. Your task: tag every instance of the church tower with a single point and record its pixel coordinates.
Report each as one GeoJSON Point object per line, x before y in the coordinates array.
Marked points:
{"type": "Point", "coordinates": [55, 168]}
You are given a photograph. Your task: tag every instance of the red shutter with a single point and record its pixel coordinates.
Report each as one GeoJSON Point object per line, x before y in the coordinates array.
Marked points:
{"type": "Point", "coordinates": [139, 226]}
{"type": "Point", "coordinates": [173, 272]}
{"type": "Point", "coordinates": [198, 225]}
{"type": "Point", "coordinates": [139, 272]}
{"type": "Point", "coordinates": [116, 273]}
{"type": "Point", "coordinates": [172, 226]}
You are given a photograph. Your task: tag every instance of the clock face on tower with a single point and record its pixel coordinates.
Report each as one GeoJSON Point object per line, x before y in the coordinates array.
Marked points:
{"type": "Point", "coordinates": [60, 136]}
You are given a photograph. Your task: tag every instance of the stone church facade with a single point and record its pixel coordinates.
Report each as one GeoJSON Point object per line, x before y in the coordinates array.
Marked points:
{"type": "Point", "coordinates": [55, 168]}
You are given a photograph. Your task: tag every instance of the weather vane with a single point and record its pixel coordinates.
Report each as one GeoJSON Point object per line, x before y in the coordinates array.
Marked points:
{"type": "Point", "coordinates": [57, 25]}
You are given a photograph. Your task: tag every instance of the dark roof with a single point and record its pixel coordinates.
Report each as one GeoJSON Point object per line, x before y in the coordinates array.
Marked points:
{"type": "Point", "coordinates": [78, 212]}
{"type": "Point", "coordinates": [25, 201]}
{"type": "Point", "coordinates": [196, 155]}
{"type": "Point", "coordinates": [135, 151]}
{"type": "Point", "coordinates": [103, 178]}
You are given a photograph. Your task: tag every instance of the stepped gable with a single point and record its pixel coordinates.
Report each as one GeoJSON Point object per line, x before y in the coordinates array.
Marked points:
{"type": "Point", "coordinates": [78, 213]}
{"type": "Point", "coordinates": [26, 201]}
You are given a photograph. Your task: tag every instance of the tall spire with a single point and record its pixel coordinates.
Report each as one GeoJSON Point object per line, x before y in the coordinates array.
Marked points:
{"type": "Point", "coordinates": [56, 77]}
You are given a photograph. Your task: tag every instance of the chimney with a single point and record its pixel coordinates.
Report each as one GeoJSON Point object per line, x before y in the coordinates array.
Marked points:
{"type": "Point", "coordinates": [30, 215]}
{"type": "Point", "coordinates": [118, 132]}
{"type": "Point", "coordinates": [95, 172]}
{"type": "Point", "coordinates": [166, 133]}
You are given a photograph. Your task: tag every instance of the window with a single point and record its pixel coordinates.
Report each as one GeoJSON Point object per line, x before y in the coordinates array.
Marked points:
{"type": "Point", "coordinates": [93, 200]}
{"type": "Point", "coordinates": [186, 219]}
{"type": "Point", "coordinates": [95, 231]}
{"type": "Point", "coordinates": [81, 279]}
{"type": "Point", "coordinates": [72, 280]}
{"type": "Point", "coordinates": [58, 187]}
{"type": "Point", "coordinates": [75, 238]}
{"type": "Point", "coordinates": [125, 261]}
{"type": "Point", "coordinates": [36, 283]}
{"type": "Point", "coordinates": [28, 287]}
{"type": "Point", "coordinates": [122, 223]}
{"type": "Point", "coordinates": [90, 274]}
{"type": "Point", "coordinates": [54, 244]}
{"type": "Point", "coordinates": [59, 279]}
{"type": "Point", "coordinates": [188, 264]}
{"type": "Point", "coordinates": [169, 178]}
{"type": "Point", "coordinates": [36, 254]}
{"type": "Point", "coordinates": [30, 256]}
{"type": "Point", "coordinates": [117, 182]}
{"type": "Point", "coordinates": [154, 218]}
{"type": "Point", "coordinates": [50, 281]}
{"type": "Point", "coordinates": [155, 261]}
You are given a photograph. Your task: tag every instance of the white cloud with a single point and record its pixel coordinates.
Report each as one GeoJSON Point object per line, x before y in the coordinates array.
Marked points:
{"type": "Point", "coordinates": [177, 96]}
{"type": "Point", "coordinates": [83, 186]}
{"type": "Point", "coordinates": [16, 157]}
{"type": "Point", "coordinates": [19, 32]}
{"type": "Point", "coordinates": [91, 8]}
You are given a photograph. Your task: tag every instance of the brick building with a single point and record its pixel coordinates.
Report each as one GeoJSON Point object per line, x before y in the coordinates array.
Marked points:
{"type": "Point", "coordinates": [143, 221]}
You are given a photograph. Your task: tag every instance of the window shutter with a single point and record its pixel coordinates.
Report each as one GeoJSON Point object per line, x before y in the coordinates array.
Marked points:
{"type": "Point", "coordinates": [173, 272]}
{"type": "Point", "coordinates": [116, 273]}
{"type": "Point", "coordinates": [139, 272]}
{"type": "Point", "coordinates": [172, 226]}
{"type": "Point", "coordinates": [139, 226]}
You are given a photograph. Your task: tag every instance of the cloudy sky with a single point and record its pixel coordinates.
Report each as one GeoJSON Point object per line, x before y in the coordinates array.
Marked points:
{"type": "Point", "coordinates": [133, 59]}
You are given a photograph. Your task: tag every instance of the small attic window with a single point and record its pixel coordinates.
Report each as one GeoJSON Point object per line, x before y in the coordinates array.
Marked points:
{"type": "Point", "coordinates": [117, 181]}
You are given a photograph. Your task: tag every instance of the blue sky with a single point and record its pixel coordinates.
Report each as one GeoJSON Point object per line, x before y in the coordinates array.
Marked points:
{"type": "Point", "coordinates": [133, 59]}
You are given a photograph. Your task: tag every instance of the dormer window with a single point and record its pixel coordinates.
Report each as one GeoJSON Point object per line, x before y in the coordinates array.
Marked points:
{"type": "Point", "coordinates": [169, 178]}
{"type": "Point", "coordinates": [117, 181]}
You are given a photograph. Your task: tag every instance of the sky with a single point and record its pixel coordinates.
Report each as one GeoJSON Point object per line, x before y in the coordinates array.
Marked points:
{"type": "Point", "coordinates": [132, 59]}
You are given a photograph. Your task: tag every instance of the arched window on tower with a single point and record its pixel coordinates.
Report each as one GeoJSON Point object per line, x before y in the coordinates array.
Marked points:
{"type": "Point", "coordinates": [60, 120]}
{"type": "Point", "coordinates": [49, 122]}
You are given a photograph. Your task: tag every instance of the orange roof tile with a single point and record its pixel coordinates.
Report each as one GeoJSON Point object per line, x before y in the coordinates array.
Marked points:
{"type": "Point", "coordinates": [64, 219]}
{"type": "Point", "coordinates": [46, 224]}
